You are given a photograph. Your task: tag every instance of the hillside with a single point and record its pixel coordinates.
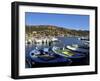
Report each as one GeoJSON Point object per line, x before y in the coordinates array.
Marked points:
{"type": "Point", "coordinates": [48, 30]}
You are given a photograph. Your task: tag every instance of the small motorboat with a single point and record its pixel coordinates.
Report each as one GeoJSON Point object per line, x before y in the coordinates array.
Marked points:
{"type": "Point", "coordinates": [45, 57]}
{"type": "Point", "coordinates": [83, 38]}
{"type": "Point", "coordinates": [77, 48]}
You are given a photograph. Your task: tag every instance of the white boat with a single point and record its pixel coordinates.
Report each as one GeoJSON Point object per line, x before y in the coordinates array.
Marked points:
{"type": "Point", "coordinates": [54, 39]}
{"type": "Point", "coordinates": [83, 38]}
{"type": "Point", "coordinates": [73, 47]}
{"type": "Point", "coordinates": [77, 48]}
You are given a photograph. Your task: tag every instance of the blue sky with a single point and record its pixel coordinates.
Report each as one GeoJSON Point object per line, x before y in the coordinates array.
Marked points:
{"type": "Point", "coordinates": [71, 21]}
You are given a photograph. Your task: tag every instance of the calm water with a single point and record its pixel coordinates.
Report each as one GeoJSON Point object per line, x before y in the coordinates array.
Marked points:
{"type": "Point", "coordinates": [63, 41]}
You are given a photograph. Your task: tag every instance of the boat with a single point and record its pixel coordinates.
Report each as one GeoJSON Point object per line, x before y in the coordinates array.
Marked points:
{"type": "Point", "coordinates": [54, 49]}
{"type": "Point", "coordinates": [45, 57]}
{"type": "Point", "coordinates": [75, 57]}
{"type": "Point", "coordinates": [84, 46]}
{"type": "Point", "coordinates": [78, 59]}
{"type": "Point", "coordinates": [78, 48]}
{"type": "Point", "coordinates": [84, 38]}
{"type": "Point", "coordinates": [54, 39]}
{"type": "Point", "coordinates": [67, 53]}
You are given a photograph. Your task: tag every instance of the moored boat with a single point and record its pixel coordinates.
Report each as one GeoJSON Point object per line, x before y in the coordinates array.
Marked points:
{"type": "Point", "coordinates": [44, 57]}
{"type": "Point", "coordinates": [78, 48]}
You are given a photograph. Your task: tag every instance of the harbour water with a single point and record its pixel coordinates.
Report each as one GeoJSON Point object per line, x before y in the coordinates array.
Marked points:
{"type": "Point", "coordinates": [63, 41]}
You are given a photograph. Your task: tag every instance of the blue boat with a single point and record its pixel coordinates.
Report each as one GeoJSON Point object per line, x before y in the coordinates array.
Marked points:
{"type": "Point", "coordinates": [79, 59]}
{"type": "Point", "coordinates": [44, 57]}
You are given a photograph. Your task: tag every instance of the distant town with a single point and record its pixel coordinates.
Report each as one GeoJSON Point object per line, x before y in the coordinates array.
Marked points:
{"type": "Point", "coordinates": [47, 33]}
